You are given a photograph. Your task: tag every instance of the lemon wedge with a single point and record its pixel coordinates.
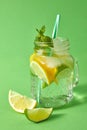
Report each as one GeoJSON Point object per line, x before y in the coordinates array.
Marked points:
{"type": "Point", "coordinates": [19, 102]}
{"type": "Point", "coordinates": [38, 114]}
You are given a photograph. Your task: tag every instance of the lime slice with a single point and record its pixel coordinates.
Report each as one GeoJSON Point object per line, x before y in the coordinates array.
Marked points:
{"type": "Point", "coordinates": [19, 102]}
{"type": "Point", "coordinates": [38, 114]}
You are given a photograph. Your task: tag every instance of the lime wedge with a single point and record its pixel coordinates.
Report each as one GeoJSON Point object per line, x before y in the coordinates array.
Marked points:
{"type": "Point", "coordinates": [38, 114]}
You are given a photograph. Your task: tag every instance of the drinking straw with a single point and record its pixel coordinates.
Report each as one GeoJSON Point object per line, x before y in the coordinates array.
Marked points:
{"type": "Point", "coordinates": [55, 29]}
{"type": "Point", "coordinates": [39, 90]}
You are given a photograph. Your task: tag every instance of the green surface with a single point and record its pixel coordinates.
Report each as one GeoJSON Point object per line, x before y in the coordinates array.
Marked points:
{"type": "Point", "coordinates": [18, 20]}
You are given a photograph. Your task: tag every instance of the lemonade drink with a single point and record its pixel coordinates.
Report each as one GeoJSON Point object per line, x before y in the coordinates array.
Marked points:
{"type": "Point", "coordinates": [52, 71]}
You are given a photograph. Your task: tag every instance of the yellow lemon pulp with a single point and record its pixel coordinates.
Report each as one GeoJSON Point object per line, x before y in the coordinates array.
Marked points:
{"type": "Point", "coordinates": [19, 102]}
{"type": "Point", "coordinates": [41, 69]}
{"type": "Point", "coordinates": [38, 114]}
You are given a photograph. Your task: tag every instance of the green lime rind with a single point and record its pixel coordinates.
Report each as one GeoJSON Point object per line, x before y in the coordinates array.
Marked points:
{"type": "Point", "coordinates": [38, 114]}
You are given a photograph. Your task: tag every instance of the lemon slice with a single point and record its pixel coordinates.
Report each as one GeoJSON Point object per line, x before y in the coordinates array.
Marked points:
{"type": "Point", "coordinates": [39, 71]}
{"type": "Point", "coordinates": [38, 114]}
{"type": "Point", "coordinates": [19, 102]}
{"type": "Point", "coordinates": [43, 72]}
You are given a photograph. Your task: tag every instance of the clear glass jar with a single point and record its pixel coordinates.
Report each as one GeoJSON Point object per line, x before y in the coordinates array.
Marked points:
{"type": "Point", "coordinates": [54, 73]}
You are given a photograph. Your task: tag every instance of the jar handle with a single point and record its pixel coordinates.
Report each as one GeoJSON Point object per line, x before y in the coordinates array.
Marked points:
{"type": "Point", "coordinates": [76, 74]}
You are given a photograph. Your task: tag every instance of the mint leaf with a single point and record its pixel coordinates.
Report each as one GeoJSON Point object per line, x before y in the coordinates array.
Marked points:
{"type": "Point", "coordinates": [41, 37]}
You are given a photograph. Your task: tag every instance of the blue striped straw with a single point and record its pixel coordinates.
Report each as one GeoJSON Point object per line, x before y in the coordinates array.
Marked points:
{"type": "Point", "coordinates": [55, 29]}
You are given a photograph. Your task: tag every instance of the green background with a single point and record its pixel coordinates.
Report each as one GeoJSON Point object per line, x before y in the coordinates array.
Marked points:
{"type": "Point", "coordinates": [18, 21]}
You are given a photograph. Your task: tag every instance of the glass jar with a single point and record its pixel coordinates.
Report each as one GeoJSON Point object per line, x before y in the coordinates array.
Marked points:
{"type": "Point", "coordinates": [54, 73]}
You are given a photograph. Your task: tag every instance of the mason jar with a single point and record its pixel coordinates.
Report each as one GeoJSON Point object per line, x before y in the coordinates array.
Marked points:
{"type": "Point", "coordinates": [54, 73]}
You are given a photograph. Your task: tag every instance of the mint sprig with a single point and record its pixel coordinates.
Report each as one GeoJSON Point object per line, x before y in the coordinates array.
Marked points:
{"type": "Point", "coordinates": [41, 37]}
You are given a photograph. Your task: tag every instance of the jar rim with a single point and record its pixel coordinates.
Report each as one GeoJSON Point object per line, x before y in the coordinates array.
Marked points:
{"type": "Point", "coordinates": [43, 44]}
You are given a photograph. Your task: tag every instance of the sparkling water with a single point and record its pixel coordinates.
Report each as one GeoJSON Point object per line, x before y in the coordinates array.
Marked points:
{"type": "Point", "coordinates": [55, 94]}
